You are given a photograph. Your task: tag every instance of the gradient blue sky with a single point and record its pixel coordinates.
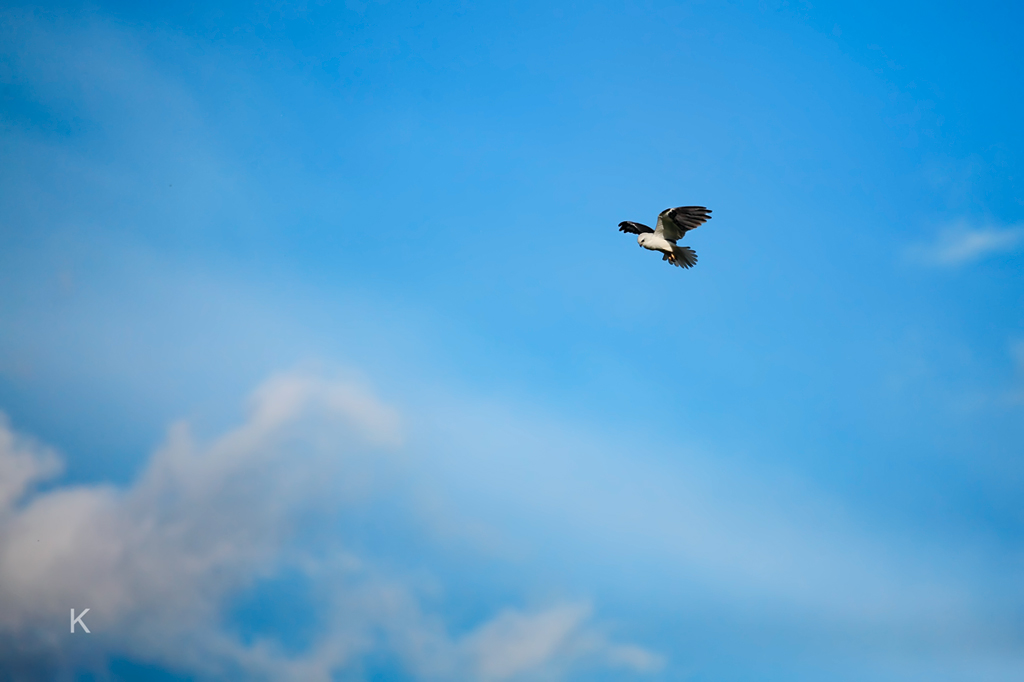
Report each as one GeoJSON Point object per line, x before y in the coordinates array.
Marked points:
{"type": "Point", "coordinates": [800, 460]}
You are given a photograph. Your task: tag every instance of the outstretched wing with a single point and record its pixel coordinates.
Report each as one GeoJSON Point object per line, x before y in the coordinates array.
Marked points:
{"type": "Point", "coordinates": [673, 223]}
{"type": "Point", "coordinates": [633, 228]}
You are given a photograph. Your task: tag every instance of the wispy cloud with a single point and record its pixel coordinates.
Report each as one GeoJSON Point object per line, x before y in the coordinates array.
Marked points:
{"type": "Point", "coordinates": [159, 562]}
{"type": "Point", "coordinates": [964, 244]}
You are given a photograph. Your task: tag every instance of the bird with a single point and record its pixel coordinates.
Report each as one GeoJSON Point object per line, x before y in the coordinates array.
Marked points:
{"type": "Point", "coordinates": [673, 223]}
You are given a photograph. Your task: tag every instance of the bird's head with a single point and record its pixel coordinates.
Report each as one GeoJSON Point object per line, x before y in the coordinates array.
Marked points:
{"type": "Point", "coordinates": [641, 239]}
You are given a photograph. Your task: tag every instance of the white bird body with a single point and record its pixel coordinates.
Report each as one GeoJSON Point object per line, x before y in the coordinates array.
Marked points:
{"type": "Point", "coordinates": [655, 242]}
{"type": "Point", "coordinates": [673, 223]}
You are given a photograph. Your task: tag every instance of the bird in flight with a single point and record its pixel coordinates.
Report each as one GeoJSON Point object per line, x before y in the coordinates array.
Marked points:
{"type": "Point", "coordinates": [673, 223]}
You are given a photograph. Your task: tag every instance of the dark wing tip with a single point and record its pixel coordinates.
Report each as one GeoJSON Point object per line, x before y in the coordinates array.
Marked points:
{"type": "Point", "coordinates": [633, 228]}
{"type": "Point", "coordinates": [687, 217]}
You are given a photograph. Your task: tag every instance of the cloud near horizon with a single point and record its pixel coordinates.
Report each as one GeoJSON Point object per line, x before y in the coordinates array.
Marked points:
{"type": "Point", "coordinates": [161, 562]}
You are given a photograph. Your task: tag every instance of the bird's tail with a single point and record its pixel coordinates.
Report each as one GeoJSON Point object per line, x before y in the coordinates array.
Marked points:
{"type": "Point", "coordinates": [683, 256]}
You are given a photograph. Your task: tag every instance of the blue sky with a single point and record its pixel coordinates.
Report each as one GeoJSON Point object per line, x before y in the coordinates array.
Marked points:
{"type": "Point", "coordinates": [446, 422]}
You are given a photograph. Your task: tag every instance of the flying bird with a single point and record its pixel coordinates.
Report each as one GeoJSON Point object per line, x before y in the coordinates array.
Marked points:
{"type": "Point", "coordinates": [673, 223]}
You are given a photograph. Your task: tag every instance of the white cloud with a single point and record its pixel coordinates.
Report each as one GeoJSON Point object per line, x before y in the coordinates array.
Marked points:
{"type": "Point", "coordinates": [22, 462]}
{"type": "Point", "coordinates": [518, 645]}
{"type": "Point", "coordinates": [964, 244]}
{"type": "Point", "coordinates": [157, 563]}
{"type": "Point", "coordinates": [514, 642]}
